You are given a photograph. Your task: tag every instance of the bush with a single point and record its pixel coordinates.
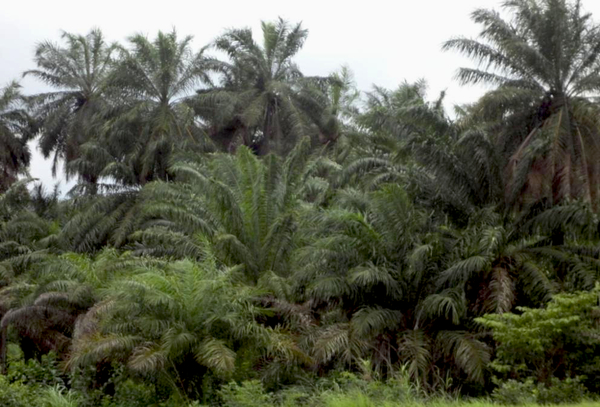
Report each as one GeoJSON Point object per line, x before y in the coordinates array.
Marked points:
{"type": "Point", "coordinates": [549, 345]}
{"type": "Point", "coordinates": [46, 372]}
{"type": "Point", "coordinates": [528, 392]}
{"type": "Point", "coordinates": [17, 394]}
{"type": "Point", "coordinates": [248, 394]}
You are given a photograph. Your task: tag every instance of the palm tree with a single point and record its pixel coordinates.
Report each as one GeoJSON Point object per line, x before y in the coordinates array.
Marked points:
{"type": "Point", "coordinates": [43, 304]}
{"type": "Point", "coordinates": [176, 324]}
{"type": "Point", "coordinates": [446, 165]}
{"type": "Point", "coordinates": [335, 102]}
{"type": "Point", "coordinates": [369, 278]}
{"type": "Point", "coordinates": [545, 66]}
{"type": "Point", "coordinates": [263, 99]}
{"type": "Point", "coordinates": [70, 115]}
{"type": "Point", "coordinates": [245, 208]}
{"type": "Point", "coordinates": [154, 78]}
{"type": "Point", "coordinates": [25, 236]}
{"type": "Point", "coordinates": [102, 220]}
{"type": "Point", "coordinates": [16, 128]}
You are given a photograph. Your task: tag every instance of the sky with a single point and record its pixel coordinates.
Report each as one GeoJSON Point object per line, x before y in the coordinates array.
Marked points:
{"type": "Point", "coordinates": [382, 42]}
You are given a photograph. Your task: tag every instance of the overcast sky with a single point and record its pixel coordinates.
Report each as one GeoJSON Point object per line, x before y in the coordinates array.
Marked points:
{"type": "Point", "coordinates": [383, 42]}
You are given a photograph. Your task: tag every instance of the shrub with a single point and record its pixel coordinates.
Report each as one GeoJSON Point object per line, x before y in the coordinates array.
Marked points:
{"type": "Point", "coordinates": [549, 345]}
{"type": "Point", "coordinates": [528, 392]}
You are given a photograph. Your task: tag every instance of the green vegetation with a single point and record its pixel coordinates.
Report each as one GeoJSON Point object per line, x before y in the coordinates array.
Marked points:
{"type": "Point", "coordinates": [244, 235]}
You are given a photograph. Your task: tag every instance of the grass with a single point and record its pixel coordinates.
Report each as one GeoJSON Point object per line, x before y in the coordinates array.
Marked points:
{"type": "Point", "coordinates": [363, 401]}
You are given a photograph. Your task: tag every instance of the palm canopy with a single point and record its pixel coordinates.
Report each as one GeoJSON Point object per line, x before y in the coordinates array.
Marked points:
{"type": "Point", "coordinates": [176, 323]}
{"type": "Point", "coordinates": [545, 67]}
{"type": "Point", "coordinates": [263, 98]}
{"type": "Point", "coordinates": [403, 138]}
{"type": "Point", "coordinates": [16, 128]}
{"type": "Point", "coordinates": [369, 271]}
{"type": "Point", "coordinates": [154, 78]}
{"type": "Point", "coordinates": [246, 208]}
{"type": "Point", "coordinates": [79, 73]}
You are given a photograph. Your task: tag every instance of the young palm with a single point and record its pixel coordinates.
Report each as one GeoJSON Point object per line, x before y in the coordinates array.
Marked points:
{"type": "Point", "coordinates": [71, 115]}
{"type": "Point", "coordinates": [500, 264]}
{"type": "Point", "coordinates": [176, 324]}
{"type": "Point", "coordinates": [545, 65]}
{"type": "Point", "coordinates": [244, 207]}
{"type": "Point", "coordinates": [43, 304]}
{"type": "Point", "coordinates": [16, 128]}
{"type": "Point", "coordinates": [154, 78]}
{"type": "Point", "coordinates": [25, 236]}
{"type": "Point", "coordinates": [369, 278]}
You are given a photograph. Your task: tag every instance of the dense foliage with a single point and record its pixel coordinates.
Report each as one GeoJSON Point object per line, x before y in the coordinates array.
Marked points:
{"type": "Point", "coordinates": [244, 235]}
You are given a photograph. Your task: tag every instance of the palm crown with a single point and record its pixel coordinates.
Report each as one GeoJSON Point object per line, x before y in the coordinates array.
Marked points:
{"type": "Point", "coordinates": [16, 128]}
{"type": "Point", "coordinates": [260, 88]}
{"type": "Point", "coordinates": [79, 73]}
{"type": "Point", "coordinates": [545, 65]}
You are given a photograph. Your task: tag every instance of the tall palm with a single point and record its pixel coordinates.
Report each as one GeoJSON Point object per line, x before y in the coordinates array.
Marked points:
{"type": "Point", "coordinates": [70, 115]}
{"type": "Point", "coordinates": [335, 105]}
{"type": "Point", "coordinates": [259, 99]}
{"type": "Point", "coordinates": [545, 66]}
{"type": "Point", "coordinates": [16, 128]}
{"type": "Point", "coordinates": [154, 78]}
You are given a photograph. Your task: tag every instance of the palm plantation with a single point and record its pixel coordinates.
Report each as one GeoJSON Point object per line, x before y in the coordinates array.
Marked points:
{"type": "Point", "coordinates": [242, 234]}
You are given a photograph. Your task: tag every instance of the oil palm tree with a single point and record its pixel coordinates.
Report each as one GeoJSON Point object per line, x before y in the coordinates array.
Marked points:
{"type": "Point", "coordinates": [16, 128]}
{"type": "Point", "coordinates": [500, 262]}
{"type": "Point", "coordinates": [259, 100]}
{"type": "Point", "coordinates": [332, 105]}
{"type": "Point", "coordinates": [245, 208]}
{"type": "Point", "coordinates": [368, 276]}
{"type": "Point", "coordinates": [25, 236]}
{"type": "Point", "coordinates": [43, 304]}
{"type": "Point", "coordinates": [69, 116]}
{"type": "Point", "coordinates": [177, 324]}
{"type": "Point", "coordinates": [446, 165]}
{"type": "Point", "coordinates": [544, 64]}
{"type": "Point", "coordinates": [153, 120]}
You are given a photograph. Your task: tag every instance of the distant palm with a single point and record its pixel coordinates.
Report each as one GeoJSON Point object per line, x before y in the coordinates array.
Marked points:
{"type": "Point", "coordinates": [70, 115]}
{"type": "Point", "coordinates": [259, 99]}
{"type": "Point", "coordinates": [406, 139]}
{"type": "Point", "coordinates": [545, 64]}
{"type": "Point", "coordinates": [15, 130]}
{"type": "Point", "coordinates": [153, 79]}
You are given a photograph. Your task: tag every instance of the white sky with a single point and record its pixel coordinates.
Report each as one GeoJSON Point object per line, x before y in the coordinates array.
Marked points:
{"type": "Point", "coordinates": [383, 42]}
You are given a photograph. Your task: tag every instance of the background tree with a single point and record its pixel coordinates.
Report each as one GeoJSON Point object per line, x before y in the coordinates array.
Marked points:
{"type": "Point", "coordinates": [16, 129]}
{"type": "Point", "coordinates": [72, 114]}
{"type": "Point", "coordinates": [153, 120]}
{"type": "Point", "coordinates": [545, 65]}
{"type": "Point", "coordinates": [259, 99]}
